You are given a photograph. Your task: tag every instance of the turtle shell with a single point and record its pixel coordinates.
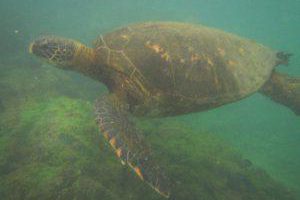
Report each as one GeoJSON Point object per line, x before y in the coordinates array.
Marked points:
{"type": "Point", "coordinates": [192, 63]}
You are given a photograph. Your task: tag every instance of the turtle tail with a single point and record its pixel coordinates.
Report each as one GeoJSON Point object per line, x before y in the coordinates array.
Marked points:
{"type": "Point", "coordinates": [283, 58]}
{"type": "Point", "coordinates": [284, 89]}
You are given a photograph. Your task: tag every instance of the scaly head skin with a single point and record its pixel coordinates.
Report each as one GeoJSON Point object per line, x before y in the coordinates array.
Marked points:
{"type": "Point", "coordinates": [66, 54]}
{"type": "Point", "coordinates": [55, 50]}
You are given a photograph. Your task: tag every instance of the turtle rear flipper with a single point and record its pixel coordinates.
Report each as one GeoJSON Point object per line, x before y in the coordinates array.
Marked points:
{"type": "Point", "coordinates": [284, 90]}
{"type": "Point", "coordinates": [129, 145]}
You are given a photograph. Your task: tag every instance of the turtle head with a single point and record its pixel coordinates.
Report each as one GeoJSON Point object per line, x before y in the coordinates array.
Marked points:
{"type": "Point", "coordinates": [67, 54]}
{"type": "Point", "coordinates": [55, 50]}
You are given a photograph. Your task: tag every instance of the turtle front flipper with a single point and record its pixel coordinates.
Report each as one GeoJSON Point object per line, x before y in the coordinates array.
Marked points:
{"type": "Point", "coordinates": [114, 122]}
{"type": "Point", "coordinates": [284, 90]}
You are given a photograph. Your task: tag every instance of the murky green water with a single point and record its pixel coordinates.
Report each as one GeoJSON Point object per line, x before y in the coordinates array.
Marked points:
{"type": "Point", "coordinates": [49, 142]}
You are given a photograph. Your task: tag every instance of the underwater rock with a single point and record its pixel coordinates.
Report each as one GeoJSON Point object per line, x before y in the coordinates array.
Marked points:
{"type": "Point", "coordinates": [53, 153]}
{"type": "Point", "coordinates": [203, 166]}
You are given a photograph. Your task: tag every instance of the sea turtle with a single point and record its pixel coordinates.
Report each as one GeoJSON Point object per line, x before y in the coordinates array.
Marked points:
{"type": "Point", "coordinates": [157, 69]}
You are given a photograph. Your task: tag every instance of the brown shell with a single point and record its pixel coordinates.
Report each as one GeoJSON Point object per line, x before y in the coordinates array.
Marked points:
{"type": "Point", "coordinates": [189, 63]}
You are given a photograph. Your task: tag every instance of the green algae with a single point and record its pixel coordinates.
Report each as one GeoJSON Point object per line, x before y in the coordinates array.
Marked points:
{"type": "Point", "coordinates": [49, 150]}
{"type": "Point", "coordinates": [54, 153]}
{"type": "Point", "coordinates": [206, 167]}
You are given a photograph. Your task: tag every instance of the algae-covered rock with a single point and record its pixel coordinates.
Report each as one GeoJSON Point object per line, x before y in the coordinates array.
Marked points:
{"type": "Point", "coordinates": [56, 152]}
{"type": "Point", "coordinates": [203, 166]}
{"type": "Point", "coordinates": [53, 153]}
